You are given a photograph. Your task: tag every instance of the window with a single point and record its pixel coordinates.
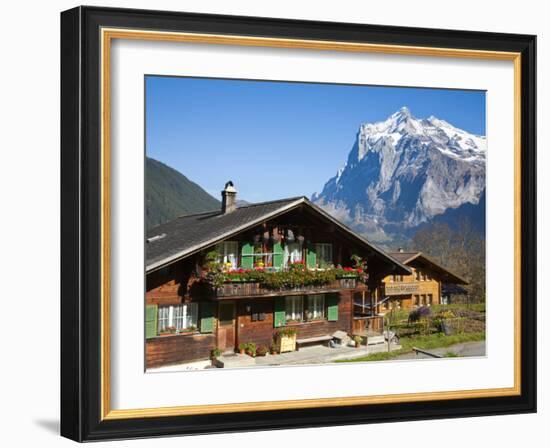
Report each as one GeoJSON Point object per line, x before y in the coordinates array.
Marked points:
{"type": "Point", "coordinates": [430, 299]}
{"type": "Point", "coordinates": [423, 299]}
{"type": "Point", "coordinates": [424, 277]}
{"type": "Point", "coordinates": [228, 251]}
{"type": "Point", "coordinates": [397, 278]}
{"type": "Point", "coordinates": [178, 317]}
{"type": "Point", "coordinates": [294, 308]}
{"type": "Point", "coordinates": [316, 307]}
{"type": "Point", "coordinates": [417, 300]}
{"type": "Point", "coordinates": [293, 253]}
{"type": "Point", "coordinates": [164, 318]}
{"type": "Point", "coordinates": [417, 272]}
{"type": "Point", "coordinates": [324, 254]}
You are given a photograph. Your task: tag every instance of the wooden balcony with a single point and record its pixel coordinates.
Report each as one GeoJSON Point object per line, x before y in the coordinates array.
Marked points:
{"type": "Point", "coordinates": [254, 289]}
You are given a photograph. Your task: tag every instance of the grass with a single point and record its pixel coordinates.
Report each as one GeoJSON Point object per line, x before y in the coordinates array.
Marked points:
{"type": "Point", "coordinates": [479, 307]}
{"type": "Point", "coordinates": [425, 342]}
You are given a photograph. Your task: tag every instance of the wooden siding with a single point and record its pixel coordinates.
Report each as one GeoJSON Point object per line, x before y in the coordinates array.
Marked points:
{"type": "Point", "coordinates": [421, 288]}
{"type": "Point", "coordinates": [174, 349]}
{"type": "Point", "coordinates": [260, 331]}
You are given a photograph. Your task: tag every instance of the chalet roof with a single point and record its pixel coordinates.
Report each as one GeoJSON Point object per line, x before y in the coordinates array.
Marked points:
{"type": "Point", "coordinates": [408, 257]}
{"type": "Point", "coordinates": [451, 288]}
{"type": "Point", "coordinates": [189, 234]}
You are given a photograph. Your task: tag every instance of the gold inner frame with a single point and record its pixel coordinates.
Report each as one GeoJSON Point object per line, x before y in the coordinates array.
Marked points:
{"type": "Point", "coordinates": [107, 35]}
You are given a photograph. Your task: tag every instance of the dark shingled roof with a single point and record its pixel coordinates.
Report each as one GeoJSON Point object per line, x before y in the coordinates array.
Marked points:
{"type": "Point", "coordinates": [188, 234]}
{"type": "Point", "coordinates": [407, 257]}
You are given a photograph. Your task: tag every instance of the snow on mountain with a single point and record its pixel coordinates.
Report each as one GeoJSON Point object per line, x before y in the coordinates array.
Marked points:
{"type": "Point", "coordinates": [403, 172]}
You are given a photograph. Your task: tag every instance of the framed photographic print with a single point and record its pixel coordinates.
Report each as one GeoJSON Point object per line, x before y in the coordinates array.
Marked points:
{"type": "Point", "coordinates": [274, 223]}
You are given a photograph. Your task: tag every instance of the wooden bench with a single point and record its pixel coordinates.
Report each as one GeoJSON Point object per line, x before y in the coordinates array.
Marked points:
{"type": "Point", "coordinates": [313, 340]}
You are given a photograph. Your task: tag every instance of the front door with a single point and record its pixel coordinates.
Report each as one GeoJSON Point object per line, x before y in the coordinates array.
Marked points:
{"type": "Point", "coordinates": [226, 326]}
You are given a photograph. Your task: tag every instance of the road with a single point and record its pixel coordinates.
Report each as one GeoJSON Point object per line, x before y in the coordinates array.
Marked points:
{"type": "Point", "coordinates": [463, 349]}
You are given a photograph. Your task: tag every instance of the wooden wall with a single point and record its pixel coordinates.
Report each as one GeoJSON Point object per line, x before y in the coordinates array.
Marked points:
{"type": "Point", "coordinates": [425, 287]}
{"type": "Point", "coordinates": [262, 332]}
{"type": "Point", "coordinates": [174, 349]}
{"type": "Point", "coordinates": [259, 332]}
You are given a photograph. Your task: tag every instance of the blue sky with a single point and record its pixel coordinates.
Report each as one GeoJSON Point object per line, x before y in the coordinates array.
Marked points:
{"type": "Point", "coordinates": [278, 139]}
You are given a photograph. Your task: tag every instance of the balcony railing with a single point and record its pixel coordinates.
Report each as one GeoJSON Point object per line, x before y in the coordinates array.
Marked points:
{"type": "Point", "coordinates": [231, 289]}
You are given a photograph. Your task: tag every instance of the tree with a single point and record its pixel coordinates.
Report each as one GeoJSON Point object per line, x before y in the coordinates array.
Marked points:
{"type": "Point", "coordinates": [461, 250]}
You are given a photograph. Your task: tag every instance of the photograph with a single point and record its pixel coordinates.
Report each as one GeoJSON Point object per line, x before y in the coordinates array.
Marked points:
{"type": "Point", "coordinates": [275, 223]}
{"type": "Point", "coordinates": [301, 223]}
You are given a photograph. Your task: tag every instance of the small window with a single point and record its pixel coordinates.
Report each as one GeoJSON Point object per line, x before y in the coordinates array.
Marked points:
{"type": "Point", "coordinates": [228, 251]}
{"type": "Point", "coordinates": [430, 299]}
{"type": "Point", "coordinates": [178, 318]}
{"type": "Point", "coordinates": [294, 308]}
{"type": "Point", "coordinates": [324, 254]}
{"type": "Point", "coordinates": [315, 307]}
{"type": "Point", "coordinates": [292, 254]}
{"type": "Point", "coordinates": [417, 274]}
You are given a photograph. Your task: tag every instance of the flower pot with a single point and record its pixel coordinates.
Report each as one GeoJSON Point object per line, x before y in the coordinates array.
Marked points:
{"type": "Point", "coordinates": [287, 343]}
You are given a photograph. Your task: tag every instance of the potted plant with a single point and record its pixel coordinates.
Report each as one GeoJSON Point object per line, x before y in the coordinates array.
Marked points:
{"type": "Point", "coordinates": [242, 348]}
{"type": "Point", "coordinates": [286, 339]}
{"type": "Point", "coordinates": [215, 353]}
{"type": "Point", "coordinates": [358, 340]}
{"type": "Point", "coordinates": [261, 350]}
{"type": "Point", "coordinates": [273, 348]}
{"type": "Point", "coordinates": [250, 349]}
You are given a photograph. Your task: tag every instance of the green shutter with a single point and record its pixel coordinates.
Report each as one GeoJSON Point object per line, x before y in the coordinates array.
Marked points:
{"type": "Point", "coordinates": [332, 306]}
{"type": "Point", "coordinates": [311, 256]}
{"type": "Point", "coordinates": [207, 317]}
{"type": "Point", "coordinates": [278, 255]}
{"type": "Point", "coordinates": [279, 312]}
{"type": "Point", "coordinates": [247, 258]}
{"type": "Point", "coordinates": [150, 321]}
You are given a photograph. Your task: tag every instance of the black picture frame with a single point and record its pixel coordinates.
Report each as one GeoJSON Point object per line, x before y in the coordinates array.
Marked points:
{"type": "Point", "coordinates": [81, 224]}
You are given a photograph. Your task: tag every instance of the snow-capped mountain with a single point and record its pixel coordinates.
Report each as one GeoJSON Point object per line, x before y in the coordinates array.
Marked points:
{"type": "Point", "coordinates": [406, 171]}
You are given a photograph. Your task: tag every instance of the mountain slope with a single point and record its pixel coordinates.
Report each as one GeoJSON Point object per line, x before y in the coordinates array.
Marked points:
{"type": "Point", "coordinates": [169, 194]}
{"type": "Point", "coordinates": [405, 171]}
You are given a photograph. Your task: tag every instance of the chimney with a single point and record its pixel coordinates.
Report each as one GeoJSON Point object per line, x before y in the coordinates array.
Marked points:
{"type": "Point", "coordinates": [229, 198]}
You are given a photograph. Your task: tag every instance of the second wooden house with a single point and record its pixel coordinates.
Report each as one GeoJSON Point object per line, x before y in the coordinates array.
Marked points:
{"type": "Point", "coordinates": [427, 285]}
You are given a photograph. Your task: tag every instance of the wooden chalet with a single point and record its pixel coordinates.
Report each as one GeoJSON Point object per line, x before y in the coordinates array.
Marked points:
{"type": "Point", "coordinates": [427, 285]}
{"type": "Point", "coordinates": [242, 274]}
